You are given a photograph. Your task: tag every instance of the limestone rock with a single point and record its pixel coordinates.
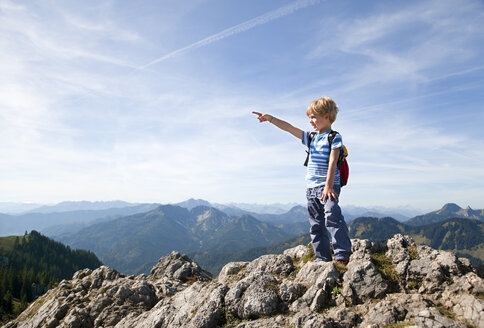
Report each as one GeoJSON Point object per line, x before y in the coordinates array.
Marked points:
{"type": "Point", "coordinates": [231, 271]}
{"type": "Point", "coordinates": [393, 282]}
{"type": "Point", "coordinates": [297, 252]}
{"type": "Point", "coordinates": [320, 278]}
{"type": "Point", "coordinates": [179, 267]}
{"type": "Point", "coordinates": [254, 296]}
{"type": "Point", "coordinates": [275, 264]}
{"type": "Point", "coordinates": [363, 282]}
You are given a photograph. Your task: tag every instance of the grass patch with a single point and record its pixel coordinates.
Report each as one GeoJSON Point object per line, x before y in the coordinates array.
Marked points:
{"type": "Point", "coordinates": [412, 252]}
{"type": "Point", "coordinates": [387, 269]}
{"type": "Point", "coordinates": [310, 256]}
{"type": "Point", "coordinates": [190, 280]}
{"type": "Point", "coordinates": [413, 285]}
{"type": "Point", "coordinates": [446, 312]}
{"type": "Point", "coordinates": [468, 324]}
{"type": "Point", "coordinates": [336, 291]}
{"type": "Point", "coordinates": [231, 320]}
{"type": "Point", "coordinates": [385, 266]}
{"type": "Point", "coordinates": [18, 306]}
{"type": "Point", "coordinates": [272, 286]}
{"type": "Point", "coordinates": [341, 268]}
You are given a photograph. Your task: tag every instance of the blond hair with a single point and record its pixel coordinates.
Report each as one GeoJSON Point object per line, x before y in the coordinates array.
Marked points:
{"type": "Point", "coordinates": [323, 106]}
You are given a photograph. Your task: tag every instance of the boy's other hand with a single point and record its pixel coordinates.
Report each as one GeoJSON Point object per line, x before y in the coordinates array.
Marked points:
{"type": "Point", "coordinates": [263, 117]}
{"type": "Point", "coordinates": [329, 193]}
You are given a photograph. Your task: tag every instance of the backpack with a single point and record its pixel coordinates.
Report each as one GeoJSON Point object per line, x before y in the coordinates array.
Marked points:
{"type": "Point", "coordinates": [342, 164]}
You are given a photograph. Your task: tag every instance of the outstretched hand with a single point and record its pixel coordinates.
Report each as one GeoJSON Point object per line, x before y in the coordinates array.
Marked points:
{"type": "Point", "coordinates": [263, 117]}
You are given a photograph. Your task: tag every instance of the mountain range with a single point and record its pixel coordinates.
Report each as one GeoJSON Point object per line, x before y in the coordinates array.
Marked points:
{"type": "Point", "coordinates": [131, 237]}
{"type": "Point", "coordinates": [69, 217]}
{"type": "Point", "coordinates": [447, 211]}
{"type": "Point", "coordinates": [133, 243]}
{"type": "Point", "coordinates": [61, 220]}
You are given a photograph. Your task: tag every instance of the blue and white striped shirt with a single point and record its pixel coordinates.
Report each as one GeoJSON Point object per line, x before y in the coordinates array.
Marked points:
{"type": "Point", "coordinates": [317, 170]}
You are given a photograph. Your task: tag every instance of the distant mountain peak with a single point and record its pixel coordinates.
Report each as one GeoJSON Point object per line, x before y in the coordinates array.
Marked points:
{"type": "Point", "coordinates": [450, 208]}
{"type": "Point", "coordinates": [192, 203]}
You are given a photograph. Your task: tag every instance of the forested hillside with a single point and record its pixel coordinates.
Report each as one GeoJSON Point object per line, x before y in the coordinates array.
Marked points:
{"type": "Point", "coordinates": [31, 264]}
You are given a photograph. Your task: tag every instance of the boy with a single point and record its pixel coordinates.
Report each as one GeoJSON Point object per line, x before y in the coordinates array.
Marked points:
{"type": "Point", "coordinates": [322, 177]}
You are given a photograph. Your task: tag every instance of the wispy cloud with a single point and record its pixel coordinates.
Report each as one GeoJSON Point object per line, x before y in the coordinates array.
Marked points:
{"type": "Point", "coordinates": [262, 19]}
{"type": "Point", "coordinates": [387, 55]}
{"type": "Point", "coordinates": [49, 41]}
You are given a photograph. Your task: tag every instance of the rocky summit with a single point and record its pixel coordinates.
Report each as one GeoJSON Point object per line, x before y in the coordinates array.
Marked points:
{"type": "Point", "coordinates": [390, 284]}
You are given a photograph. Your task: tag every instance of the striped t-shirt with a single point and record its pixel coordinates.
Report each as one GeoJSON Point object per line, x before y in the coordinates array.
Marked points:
{"type": "Point", "coordinates": [319, 158]}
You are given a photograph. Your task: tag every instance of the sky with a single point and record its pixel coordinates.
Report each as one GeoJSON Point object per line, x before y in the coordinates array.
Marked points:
{"type": "Point", "coordinates": [151, 101]}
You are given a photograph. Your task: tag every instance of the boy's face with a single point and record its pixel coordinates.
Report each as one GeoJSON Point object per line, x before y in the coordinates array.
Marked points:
{"type": "Point", "coordinates": [320, 123]}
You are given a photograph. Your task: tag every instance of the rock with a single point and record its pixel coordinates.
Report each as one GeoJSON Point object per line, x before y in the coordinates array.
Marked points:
{"type": "Point", "coordinates": [230, 271]}
{"type": "Point", "coordinates": [320, 278]}
{"type": "Point", "coordinates": [362, 282]}
{"type": "Point", "coordinates": [254, 296]}
{"type": "Point", "coordinates": [435, 289]}
{"type": "Point", "coordinates": [398, 251]}
{"type": "Point", "coordinates": [385, 313]}
{"type": "Point", "coordinates": [277, 322]}
{"type": "Point", "coordinates": [344, 317]}
{"type": "Point", "coordinates": [309, 319]}
{"type": "Point", "coordinates": [398, 248]}
{"type": "Point", "coordinates": [360, 249]}
{"type": "Point", "coordinates": [433, 318]}
{"type": "Point", "coordinates": [468, 308]}
{"type": "Point", "coordinates": [198, 305]}
{"type": "Point", "coordinates": [275, 264]}
{"type": "Point", "coordinates": [464, 298]}
{"type": "Point", "coordinates": [297, 252]}
{"type": "Point", "coordinates": [179, 267]}
{"type": "Point", "coordinates": [317, 273]}
{"type": "Point", "coordinates": [290, 291]}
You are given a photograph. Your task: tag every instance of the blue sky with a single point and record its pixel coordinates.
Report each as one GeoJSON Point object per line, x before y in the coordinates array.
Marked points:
{"type": "Point", "coordinates": [151, 101]}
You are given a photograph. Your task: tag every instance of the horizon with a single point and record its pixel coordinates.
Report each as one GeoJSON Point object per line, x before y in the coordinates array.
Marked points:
{"type": "Point", "coordinates": [152, 102]}
{"type": "Point", "coordinates": [279, 205]}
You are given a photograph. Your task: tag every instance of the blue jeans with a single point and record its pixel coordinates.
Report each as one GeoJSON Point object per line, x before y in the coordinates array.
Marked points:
{"type": "Point", "coordinates": [326, 219]}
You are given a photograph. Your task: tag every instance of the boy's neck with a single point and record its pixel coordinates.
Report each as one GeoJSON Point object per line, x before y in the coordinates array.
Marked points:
{"type": "Point", "coordinates": [325, 129]}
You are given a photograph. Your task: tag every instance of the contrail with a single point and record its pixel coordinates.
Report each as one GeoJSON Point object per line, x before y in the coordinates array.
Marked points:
{"type": "Point", "coordinates": [265, 18]}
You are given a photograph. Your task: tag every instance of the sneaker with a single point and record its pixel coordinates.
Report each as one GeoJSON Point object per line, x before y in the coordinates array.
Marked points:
{"type": "Point", "coordinates": [342, 262]}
